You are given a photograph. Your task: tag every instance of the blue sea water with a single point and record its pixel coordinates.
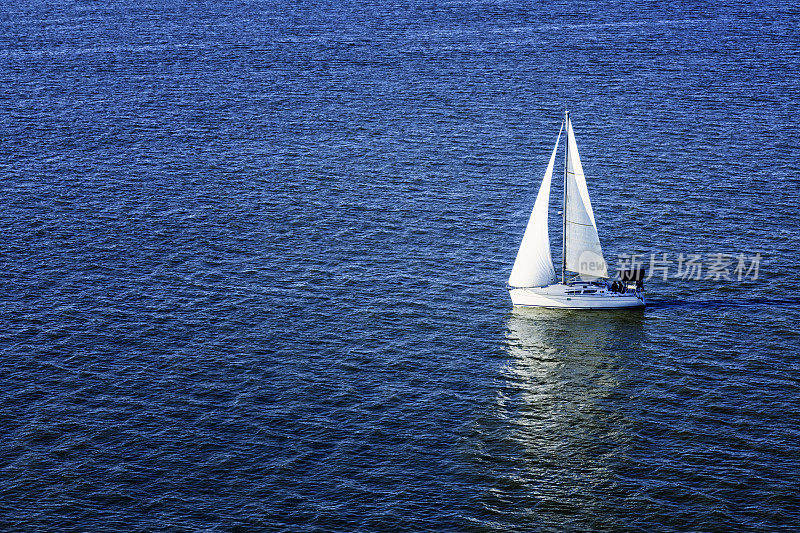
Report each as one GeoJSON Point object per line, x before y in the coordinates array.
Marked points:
{"type": "Point", "coordinates": [253, 260]}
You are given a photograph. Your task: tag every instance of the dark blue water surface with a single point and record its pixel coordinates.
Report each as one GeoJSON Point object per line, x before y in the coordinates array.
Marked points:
{"type": "Point", "coordinates": [253, 260]}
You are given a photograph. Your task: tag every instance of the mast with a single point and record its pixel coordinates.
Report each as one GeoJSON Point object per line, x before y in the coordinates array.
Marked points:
{"type": "Point", "coordinates": [564, 212]}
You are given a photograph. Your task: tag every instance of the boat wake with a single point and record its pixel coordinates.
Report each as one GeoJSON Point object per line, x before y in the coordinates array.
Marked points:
{"type": "Point", "coordinates": [721, 303]}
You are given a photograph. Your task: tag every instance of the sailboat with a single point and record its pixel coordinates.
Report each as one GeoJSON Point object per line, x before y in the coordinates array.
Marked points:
{"type": "Point", "coordinates": [584, 280]}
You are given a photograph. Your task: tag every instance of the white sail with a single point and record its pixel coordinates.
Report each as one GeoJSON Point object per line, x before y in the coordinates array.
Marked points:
{"type": "Point", "coordinates": [582, 246]}
{"type": "Point", "coordinates": [533, 266]}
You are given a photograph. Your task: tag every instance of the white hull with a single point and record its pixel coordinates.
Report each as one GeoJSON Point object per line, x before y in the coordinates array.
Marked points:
{"type": "Point", "coordinates": [577, 296]}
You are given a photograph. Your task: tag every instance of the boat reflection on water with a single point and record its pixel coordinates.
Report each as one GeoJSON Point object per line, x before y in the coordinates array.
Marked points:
{"type": "Point", "coordinates": [560, 431]}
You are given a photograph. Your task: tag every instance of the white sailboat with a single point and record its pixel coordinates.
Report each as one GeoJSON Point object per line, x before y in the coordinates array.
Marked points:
{"type": "Point", "coordinates": [584, 273]}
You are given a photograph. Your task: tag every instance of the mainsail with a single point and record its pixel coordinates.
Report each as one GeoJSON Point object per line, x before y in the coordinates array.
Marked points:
{"type": "Point", "coordinates": [582, 251]}
{"type": "Point", "coordinates": [533, 266]}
